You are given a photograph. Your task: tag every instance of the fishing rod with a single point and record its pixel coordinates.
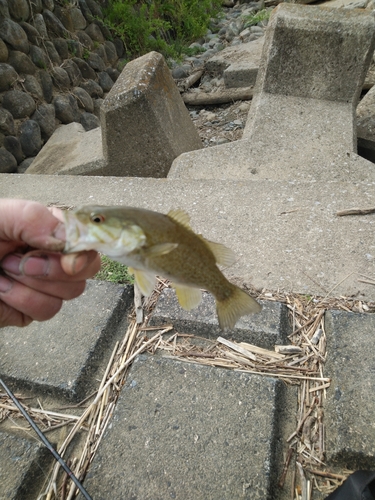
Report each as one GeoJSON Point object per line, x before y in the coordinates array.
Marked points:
{"type": "Point", "coordinates": [45, 441]}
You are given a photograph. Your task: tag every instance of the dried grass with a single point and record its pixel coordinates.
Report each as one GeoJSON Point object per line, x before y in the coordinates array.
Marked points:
{"type": "Point", "coordinates": [303, 365]}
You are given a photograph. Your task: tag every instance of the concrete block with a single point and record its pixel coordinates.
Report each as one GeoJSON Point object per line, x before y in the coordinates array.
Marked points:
{"type": "Point", "coordinates": [300, 124]}
{"type": "Point", "coordinates": [265, 329]}
{"type": "Point", "coordinates": [70, 150]}
{"type": "Point", "coordinates": [349, 410]}
{"type": "Point", "coordinates": [23, 466]}
{"type": "Point", "coordinates": [145, 124]}
{"type": "Point", "coordinates": [184, 430]}
{"type": "Point", "coordinates": [238, 64]}
{"type": "Point", "coordinates": [63, 356]}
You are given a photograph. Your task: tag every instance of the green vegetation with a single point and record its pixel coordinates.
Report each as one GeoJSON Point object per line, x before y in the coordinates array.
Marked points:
{"type": "Point", "coordinates": [114, 272]}
{"type": "Point", "coordinates": [257, 17]}
{"type": "Point", "coordinates": [167, 26]}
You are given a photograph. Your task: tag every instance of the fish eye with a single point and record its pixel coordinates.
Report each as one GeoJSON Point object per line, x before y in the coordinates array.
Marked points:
{"type": "Point", "coordinates": [97, 218]}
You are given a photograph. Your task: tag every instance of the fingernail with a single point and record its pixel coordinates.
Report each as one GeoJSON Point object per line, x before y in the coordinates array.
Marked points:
{"type": "Point", "coordinates": [5, 284]}
{"type": "Point", "coordinates": [79, 263]}
{"type": "Point", "coordinates": [11, 264]}
{"type": "Point", "coordinates": [35, 266]}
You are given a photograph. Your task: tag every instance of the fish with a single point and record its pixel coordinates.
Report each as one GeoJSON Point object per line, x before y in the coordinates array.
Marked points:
{"type": "Point", "coordinates": [154, 244]}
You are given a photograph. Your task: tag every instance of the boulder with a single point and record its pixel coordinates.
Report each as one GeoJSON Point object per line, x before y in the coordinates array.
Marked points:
{"type": "Point", "coordinates": [7, 126]}
{"type": "Point", "coordinates": [32, 33]}
{"type": "Point", "coordinates": [30, 138]}
{"type": "Point", "coordinates": [60, 78]}
{"type": "Point", "coordinates": [34, 88]}
{"type": "Point", "coordinates": [8, 76]}
{"type": "Point", "coordinates": [47, 85]}
{"type": "Point", "coordinates": [45, 117]}
{"type": "Point", "coordinates": [54, 25]}
{"type": "Point", "coordinates": [21, 62]}
{"type": "Point", "coordinates": [92, 88]}
{"type": "Point", "coordinates": [86, 71]}
{"type": "Point", "coordinates": [84, 100]}
{"type": "Point", "coordinates": [39, 57]}
{"type": "Point", "coordinates": [20, 104]}
{"type": "Point", "coordinates": [95, 33]}
{"type": "Point", "coordinates": [89, 121]}
{"type": "Point", "coordinates": [66, 109]}
{"type": "Point", "coordinates": [73, 72]}
{"type": "Point", "coordinates": [14, 35]}
{"type": "Point", "coordinates": [4, 53]}
{"type": "Point", "coordinates": [105, 81]}
{"type": "Point", "coordinates": [19, 10]}
{"type": "Point", "coordinates": [8, 163]}
{"type": "Point", "coordinates": [40, 26]}
{"type": "Point", "coordinates": [13, 145]}
{"type": "Point", "coordinates": [52, 52]}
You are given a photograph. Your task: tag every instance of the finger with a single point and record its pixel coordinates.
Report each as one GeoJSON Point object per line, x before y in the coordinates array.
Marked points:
{"type": "Point", "coordinates": [31, 223]}
{"type": "Point", "coordinates": [28, 301]}
{"type": "Point", "coordinates": [52, 266]}
{"type": "Point", "coordinates": [11, 317]}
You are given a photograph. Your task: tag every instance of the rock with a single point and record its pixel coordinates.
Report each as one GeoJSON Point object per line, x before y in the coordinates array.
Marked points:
{"type": "Point", "coordinates": [8, 76]}
{"type": "Point", "coordinates": [84, 100]}
{"type": "Point", "coordinates": [110, 51]}
{"type": "Point", "coordinates": [85, 40]}
{"type": "Point", "coordinates": [113, 73]}
{"type": "Point", "coordinates": [60, 78]}
{"type": "Point", "coordinates": [3, 51]}
{"type": "Point", "coordinates": [119, 44]}
{"type": "Point", "coordinates": [96, 62]}
{"type": "Point", "coordinates": [14, 35]}
{"type": "Point", "coordinates": [75, 48]}
{"type": "Point", "coordinates": [20, 104]}
{"type": "Point", "coordinates": [47, 85]}
{"type": "Point", "coordinates": [86, 71]}
{"type": "Point", "coordinates": [78, 19]}
{"type": "Point", "coordinates": [95, 33]}
{"type": "Point", "coordinates": [40, 26]}
{"type": "Point", "coordinates": [182, 71]}
{"type": "Point", "coordinates": [4, 10]}
{"type": "Point", "coordinates": [89, 121]}
{"type": "Point", "coordinates": [105, 81]}
{"type": "Point", "coordinates": [52, 53]}
{"type": "Point", "coordinates": [23, 166]}
{"type": "Point", "coordinates": [61, 46]}
{"type": "Point", "coordinates": [92, 88]}
{"type": "Point", "coordinates": [66, 109]}
{"type": "Point", "coordinates": [86, 11]}
{"type": "Point", "coordinates": [7, 126]}
{"type": "Point", "coordinates": [97, 105]}
{"type": "Point", "coordinates": [21, 63]}
{"type": "Point", "coordinates": [32, 33]}
{"type": "Point", "coordinates": [49, 4]}
{"type": "Point", "coordinates": [73, 71]}
{"type": "Point", "coordinates": [64, 15]}
{"type": "Point", "coordinates": [45, 117]}
{"type": "Point", "coordinates": [13, 145]}
{"type": "Point", "coordinates": [8, 163]}
{"type": "Point", "coordinates": [100, 51]}
{"type": "Point", "coordinates": [54, 25]}
{"type": "Point", "coordinates": [30, 138]}
{"type": "Point", "coordinates": [39, 57]}
{"type": "Point", "coordinates": [95, 8]}
{"type": "Point", "coordinates": [34, 88]}
{"type": "Point", "coordinates": [19, 10]}
{"type": "Point", "coordinates": [103, 28]}
{"type": "Point", "coordinates": [36, 6]}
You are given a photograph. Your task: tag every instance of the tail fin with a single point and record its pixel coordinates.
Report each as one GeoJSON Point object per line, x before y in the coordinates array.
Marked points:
{"type": "Point", "coordinates": [238, 304]}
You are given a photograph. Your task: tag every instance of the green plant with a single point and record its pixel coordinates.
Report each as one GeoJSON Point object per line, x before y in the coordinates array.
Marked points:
{"type": "Point", "coordinates": [85, 54]}
{"type": "Point", "coordinates": [166, 26]}
{"type": "Point", "coordinates": [257, 17]}
{"type": "Point", "coordinates": [114, 272]}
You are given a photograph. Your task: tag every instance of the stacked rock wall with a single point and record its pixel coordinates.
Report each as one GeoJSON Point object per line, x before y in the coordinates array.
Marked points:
{"type": "Point", "coordinates": [57, 62]}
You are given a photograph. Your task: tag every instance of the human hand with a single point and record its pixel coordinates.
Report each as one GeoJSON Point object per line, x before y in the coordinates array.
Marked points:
{"type": "Point", "coordinates": [35, 277]}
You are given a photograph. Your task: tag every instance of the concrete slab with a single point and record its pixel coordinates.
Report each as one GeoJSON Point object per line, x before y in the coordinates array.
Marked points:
{"type": "Point", "coordinates": [238, 64]}
{"type": "Point", "coordinates": [145, 123]}
{"type": "Point", "coordinates": [286, 234]}
{"type": "Point", "coordinates": [266, 329]}
{"type": "Point", "coordinates": [71, 150]}
{"type": "Point", "coordinates": [60, 356]}
{"type": "Point", "coordinates": [183, 431]}
{"type": "Point", "coordinates": [22, 467]}
{"type": "Point", "coordinates": [349, 410]}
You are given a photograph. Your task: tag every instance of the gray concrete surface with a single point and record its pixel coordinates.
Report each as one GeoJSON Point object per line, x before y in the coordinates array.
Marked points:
{"type": "Point", "coordinates": [23, 463]}
{"type": "Point", "coordinates": [266, 329]}
{"type": "Point", "coordinates": [61, 356]}
{"type": "Point", "coordinates": [286, 234]}
{"type": "Point", "coordinates": [188, 431]}
{"type": "Point", "coordinates": [349, 412]}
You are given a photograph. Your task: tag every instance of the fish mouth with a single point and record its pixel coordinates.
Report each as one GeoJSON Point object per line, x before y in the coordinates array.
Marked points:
{"type": "Point", "coordinates": [76, 233]}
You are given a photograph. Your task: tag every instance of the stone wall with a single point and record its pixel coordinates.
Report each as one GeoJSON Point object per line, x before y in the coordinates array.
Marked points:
{"type": "Point", "coordinates": [57, 63]}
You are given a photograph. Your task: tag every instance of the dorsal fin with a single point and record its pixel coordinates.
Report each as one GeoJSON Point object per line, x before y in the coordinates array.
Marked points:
{"type": "Point", "coordinates": [224, 256]}
{"type": "Point", "coordinates": [180, 216]}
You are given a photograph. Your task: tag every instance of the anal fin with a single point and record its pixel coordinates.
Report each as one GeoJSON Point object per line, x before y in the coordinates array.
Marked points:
{"type": "Point", "coordinates": [188, 297]}
{"type": "Point", "coordinates": [145, 281]}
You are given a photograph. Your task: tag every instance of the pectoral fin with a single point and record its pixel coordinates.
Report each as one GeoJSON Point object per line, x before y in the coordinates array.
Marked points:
{"type": "Point", "coordinates": [145, 281]}
{"type": "Point", "coordinates": [188, 297]}
{"type": "Point", "coordinates": [161, 249]}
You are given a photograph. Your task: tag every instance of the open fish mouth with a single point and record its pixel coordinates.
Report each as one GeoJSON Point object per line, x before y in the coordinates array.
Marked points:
{"type": "Point", "coordinates": [76, 234]}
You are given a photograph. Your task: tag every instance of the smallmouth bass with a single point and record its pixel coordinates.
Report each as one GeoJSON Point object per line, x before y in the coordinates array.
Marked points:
{"type": "Point", "coordinates": [150, 244]}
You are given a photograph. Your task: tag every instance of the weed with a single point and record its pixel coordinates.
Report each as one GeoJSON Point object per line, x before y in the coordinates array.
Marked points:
{"type": "Point", "coordinates": [257, 17]}
{"type": "Point", "coordinates": [113, 271]}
